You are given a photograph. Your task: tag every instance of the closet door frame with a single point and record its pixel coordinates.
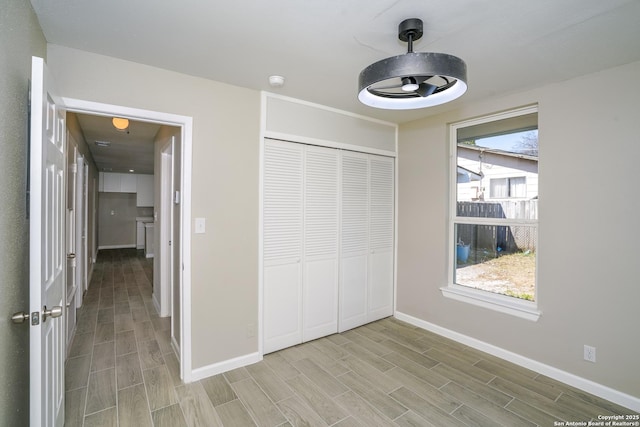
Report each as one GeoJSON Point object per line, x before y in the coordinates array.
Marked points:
{"type": "Point", "coordinates": [331, 145]}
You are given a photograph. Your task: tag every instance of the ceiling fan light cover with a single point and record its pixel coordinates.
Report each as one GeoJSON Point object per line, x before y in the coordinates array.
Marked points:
{"type": "Point", "coordinates": [413, 64]}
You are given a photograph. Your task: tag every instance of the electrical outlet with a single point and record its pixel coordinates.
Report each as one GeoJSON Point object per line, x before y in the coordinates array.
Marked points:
{"type": "Point", "coordinates": [590, 353]}
{"type": "Point", "coordinates": [251, 330]}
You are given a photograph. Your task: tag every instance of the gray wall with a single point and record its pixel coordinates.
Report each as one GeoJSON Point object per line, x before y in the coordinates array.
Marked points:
{"type": "Point", "coordinates": [225, 184]}
{"type": "Point", "coordinates": [117, 219]}
{"type": "Point", "coordinates": [588, 270]}
{"type": "Point", "coordinates": [20, 37]}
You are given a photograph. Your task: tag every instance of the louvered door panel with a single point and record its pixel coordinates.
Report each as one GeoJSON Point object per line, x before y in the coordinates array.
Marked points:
{"type": "Point", "coordinates": [381, 227]}
{"type": "Point", "coordinates": [354, 240]}
{"type": "Point", "coordinates": [355, 203]}
{"type": "Point", "coordinates": [282, 240]}
{"type": "Point", "coordinates": [320, 280]}
{"type": "Point", "coordinates": [282, 200]}
{"type": "Point", "coordinates": [381, 202]}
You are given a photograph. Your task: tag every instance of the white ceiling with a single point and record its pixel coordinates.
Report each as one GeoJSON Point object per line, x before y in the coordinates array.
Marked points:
{"type": "Point", "coordinates": [127, 151]}
{"type": "Point", "coordinates": [321, 46]}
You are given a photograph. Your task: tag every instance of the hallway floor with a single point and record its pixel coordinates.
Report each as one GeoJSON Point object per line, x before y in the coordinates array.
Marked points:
{"type": "Point", "coordinates": [122, 372]}
{"type": "Point", "coordinates": [121, 364]}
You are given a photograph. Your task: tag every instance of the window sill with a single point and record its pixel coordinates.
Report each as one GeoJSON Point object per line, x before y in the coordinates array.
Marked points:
{"type": "Point", "coordinates": [513, 306]}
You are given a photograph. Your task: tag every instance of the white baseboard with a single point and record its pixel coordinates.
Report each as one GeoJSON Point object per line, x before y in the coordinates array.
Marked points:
{"type": "Point", "coordinates": [176, 347]}
{"type": "Point", "coordinates": [117, 246]}
{"type": "Point", "coordinates": [90, 274]}
{"type": "Point", "coordinates": [584, 384]}
{"type": "Point", "coordinates": [227, 365]}
{"type": "Point", "coordinates": [156, 303]}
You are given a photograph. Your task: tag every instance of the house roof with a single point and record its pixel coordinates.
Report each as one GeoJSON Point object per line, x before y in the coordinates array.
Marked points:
{"type": "Point", "coordinates": [467, 175]}
{"type": "Point", "coordinates": [498, 152]}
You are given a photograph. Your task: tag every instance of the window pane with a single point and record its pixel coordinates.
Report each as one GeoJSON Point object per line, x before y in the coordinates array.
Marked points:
{"type": "Point", "coordinates": [498, 166]}
{"type": "Point", "coordinates": [518, 187]}
{"type": "Point", "coordinates": [498, 259]}
{"type": "Point", "coordinates": [499, 189]}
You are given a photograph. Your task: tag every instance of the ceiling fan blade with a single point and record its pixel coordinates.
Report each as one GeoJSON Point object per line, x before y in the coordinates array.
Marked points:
{"type": "Point", "coordinates": [426, 89]}
{"type": "Point", "coordinates": [421, 79]}
{"type": "Point", "coordinates": [393, 86]}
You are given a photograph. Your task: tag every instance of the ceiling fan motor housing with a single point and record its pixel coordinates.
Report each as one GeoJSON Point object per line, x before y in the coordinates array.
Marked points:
{"type": "Point", "coordinates": [410, 28]}
{"type": "Point", "coordinates": [412, 65]}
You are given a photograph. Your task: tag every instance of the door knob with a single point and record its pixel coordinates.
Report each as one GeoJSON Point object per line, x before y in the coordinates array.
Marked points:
{"type": "Point", "coordinates": [20, 317]}
{"type": "Point", "coordinates": [54, 312]}
{"type": "Point", "coordinates": [71, 256]}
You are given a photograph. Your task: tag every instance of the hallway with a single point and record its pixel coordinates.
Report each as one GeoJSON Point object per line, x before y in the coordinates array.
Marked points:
{"type": "Point", "coordinates": [120, 346]}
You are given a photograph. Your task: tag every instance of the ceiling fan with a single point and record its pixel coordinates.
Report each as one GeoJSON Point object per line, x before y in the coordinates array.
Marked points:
{"type": "Point", "coordinates": [415, 79]}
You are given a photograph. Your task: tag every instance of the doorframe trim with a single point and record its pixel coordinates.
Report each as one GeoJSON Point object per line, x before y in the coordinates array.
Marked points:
{"type": "Point", "coordinates": [186, 124]}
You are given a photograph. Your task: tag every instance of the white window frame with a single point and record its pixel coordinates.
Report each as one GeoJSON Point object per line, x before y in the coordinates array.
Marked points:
{"type": "Point", "coordinates": [502, 303]}
{"type": "Point", "coordinates": [507, 181]}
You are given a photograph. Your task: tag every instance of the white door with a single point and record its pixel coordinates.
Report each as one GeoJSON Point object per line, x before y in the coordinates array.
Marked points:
{"type": "Point", "coordinates": [85, 228]}
{"type": "Point", "coordinates": [166, 228]}
{"type": "Point", "coordinates": [70, 229]}
{"type": "Point", "coordinates": [354, 240]}
{"type": "Point", "coordinates": [320, 261]}
{"type": "Point", "coordinates": [47, 258]}
{"type": "Point", "coordinates": [381, 226]}
{"type": "Point", "coordinates": [79, 244]}
{"type": "Point", "coordinates": [282, 242]}
{"type": "Point", "coordinates": [367, 239]}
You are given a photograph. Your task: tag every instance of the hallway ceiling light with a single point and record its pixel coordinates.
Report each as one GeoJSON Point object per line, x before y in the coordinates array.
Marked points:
{"type": "Point", "coordinates": [120, 123]}
{"type": "Point", "coordinates": [415, 79]}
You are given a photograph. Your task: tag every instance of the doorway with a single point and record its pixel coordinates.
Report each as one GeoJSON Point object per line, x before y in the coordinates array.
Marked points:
{"type": "Point", "coordinates": [179, 295]}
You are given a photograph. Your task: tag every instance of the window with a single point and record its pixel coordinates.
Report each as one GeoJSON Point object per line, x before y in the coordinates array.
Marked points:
{"type": "Point", "coordinates": [506, 188]}
{"type": "Point", "coordinates": [494, 212]}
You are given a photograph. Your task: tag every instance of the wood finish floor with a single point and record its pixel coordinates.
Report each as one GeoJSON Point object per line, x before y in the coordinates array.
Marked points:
{"type": "Point", "coordinates": [123, 372]}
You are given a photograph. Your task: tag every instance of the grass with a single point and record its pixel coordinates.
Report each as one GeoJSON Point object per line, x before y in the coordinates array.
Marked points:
{"type": "Point", "coordinates": [508, 274]}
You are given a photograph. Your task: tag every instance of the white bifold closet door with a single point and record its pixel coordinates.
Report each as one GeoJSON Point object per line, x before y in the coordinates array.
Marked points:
{"type": "Point", "coordinates": [300, 243]}
{"type": "Point", "coordinates": [367, 239]}
{"type": "Point", "coordinates": [381, 237]}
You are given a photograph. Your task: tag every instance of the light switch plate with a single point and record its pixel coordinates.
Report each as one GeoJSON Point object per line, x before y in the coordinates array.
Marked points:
{"type": "Point", "coordinates": [200, 225]}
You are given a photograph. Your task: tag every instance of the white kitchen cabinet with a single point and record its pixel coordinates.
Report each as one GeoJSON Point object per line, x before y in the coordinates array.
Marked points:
{"type": "Point", "coordinates": [139, 234]}
{"type": "Point", "coordinates": [148, 239]}
{"type": "Point", "coordinates": [144, 190]}
{"type": "Point", "coordinates": [113, 182]}
{"type": "Point", "coordinates": [128, 183]}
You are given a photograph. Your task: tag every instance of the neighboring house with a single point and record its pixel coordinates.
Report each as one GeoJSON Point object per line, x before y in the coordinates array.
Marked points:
{"type": "Point", "coordinates": [495, 175]}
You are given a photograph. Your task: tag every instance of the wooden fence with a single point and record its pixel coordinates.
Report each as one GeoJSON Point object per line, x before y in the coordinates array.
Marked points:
{"type": "Point", "coordinates": [493, 238]}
